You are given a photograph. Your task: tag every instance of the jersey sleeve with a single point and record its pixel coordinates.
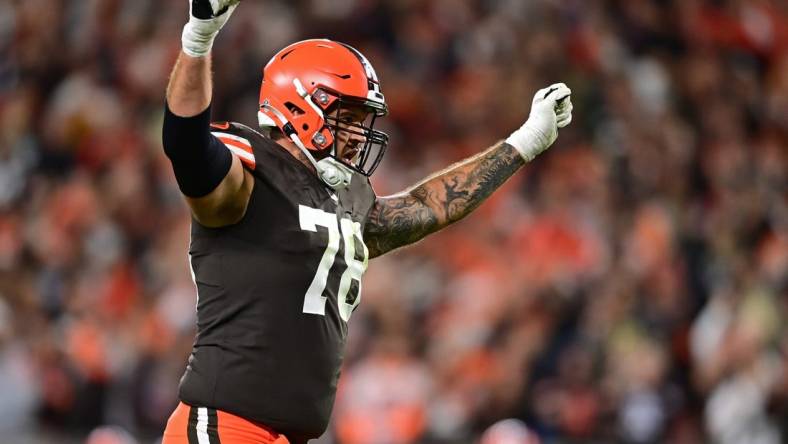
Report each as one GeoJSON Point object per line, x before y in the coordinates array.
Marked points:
{"type": "Point", "coordinates": [236, 142]}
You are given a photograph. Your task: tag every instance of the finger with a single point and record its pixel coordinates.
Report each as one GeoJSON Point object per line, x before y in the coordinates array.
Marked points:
{"type": "Point", "coordinates": [560, 93]}
{"type": "Point", "coordinates": [564, 105]}
{"type": "Point", "coordinates": [221, 6]}
{"type": "Point", "coordinates": [558, 90]}
{"type": "Point", "coordinates": [563, 113]}
{"type": "Point", "coordinates": [562, 116]}
{"type": "Point", "coordinates": [564, 121]}
{"type": "Point", "coordinates": [541, 94]}
{"type": "Point", "coordinates": [548, 90]}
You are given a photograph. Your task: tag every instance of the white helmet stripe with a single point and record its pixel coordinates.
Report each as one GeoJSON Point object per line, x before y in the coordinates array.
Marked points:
{"type": "Point", "coordinates": [368, 69]}
{"type": "Point", "coordinates": [371, 74]}
{"type": "Point", "coordinates": [374, 93]}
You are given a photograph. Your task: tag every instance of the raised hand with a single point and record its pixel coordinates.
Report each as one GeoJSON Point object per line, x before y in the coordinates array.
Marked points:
{"type": "Point", "coordinates": [206, 18]}
{"type": "Point", "coordinates": [551, 109]}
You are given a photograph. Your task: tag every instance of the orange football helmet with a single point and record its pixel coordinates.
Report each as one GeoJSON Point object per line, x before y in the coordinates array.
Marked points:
{"type": "Point", "coordinates": [307, 84]}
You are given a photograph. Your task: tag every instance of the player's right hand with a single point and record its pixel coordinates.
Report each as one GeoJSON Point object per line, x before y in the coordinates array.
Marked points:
{"type": "Point", "coordinates": [206, 18]}
{"type": "Point", "coordinates": [208, 9]}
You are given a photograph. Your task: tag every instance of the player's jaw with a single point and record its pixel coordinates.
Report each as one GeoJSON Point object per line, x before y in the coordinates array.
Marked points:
{"type": "Point", "coordinates": [348, 148]}
{"type": "Point", "coordinates": [356, 143]}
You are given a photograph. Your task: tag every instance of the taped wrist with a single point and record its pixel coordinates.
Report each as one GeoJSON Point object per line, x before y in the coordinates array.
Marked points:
{"type": "Point", "coordinates": [199, 160]}
{"type": "Point", "coordinates": [529, 142]}
{"type": "Point", "coordinates": [198, 36]}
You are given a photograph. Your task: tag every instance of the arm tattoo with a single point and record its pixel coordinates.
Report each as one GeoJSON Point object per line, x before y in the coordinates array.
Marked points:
{"type": "Point", "coordinates": [439, 200]}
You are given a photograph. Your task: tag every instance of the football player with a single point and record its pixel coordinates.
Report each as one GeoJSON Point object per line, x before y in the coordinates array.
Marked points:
{"type": "Point", "coordinates": [285, 221]}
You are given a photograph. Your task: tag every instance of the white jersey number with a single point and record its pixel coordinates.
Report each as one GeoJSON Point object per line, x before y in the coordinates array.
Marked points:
{"type": "Point", "coordinates": [314, 301]}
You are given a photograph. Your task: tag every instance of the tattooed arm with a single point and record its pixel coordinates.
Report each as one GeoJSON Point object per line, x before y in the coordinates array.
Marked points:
{"type": "Point", "coordinates": [439, 200]}
{"type": "Point", "coordinates": [453, 193]}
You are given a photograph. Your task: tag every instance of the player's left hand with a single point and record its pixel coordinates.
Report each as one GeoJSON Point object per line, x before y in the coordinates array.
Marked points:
{"type": "Point", "coordinates": [551, 109]}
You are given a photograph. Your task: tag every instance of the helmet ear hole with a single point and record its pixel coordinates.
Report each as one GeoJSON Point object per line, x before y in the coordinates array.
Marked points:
{"type": "Point", "coordinates": [295, 110]}
{"type": "Point", "coordinates": [305, 127]}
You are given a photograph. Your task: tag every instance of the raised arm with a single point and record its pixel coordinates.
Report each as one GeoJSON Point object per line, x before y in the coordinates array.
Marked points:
{"type": "Point", "coordinates": [451, 194]}
{"type": "Point", "coordinates": [213, 181]}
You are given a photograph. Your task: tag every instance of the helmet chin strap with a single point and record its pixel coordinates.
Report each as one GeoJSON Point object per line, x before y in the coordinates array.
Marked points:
{"type": "Point", "coordinates": [331, 171]}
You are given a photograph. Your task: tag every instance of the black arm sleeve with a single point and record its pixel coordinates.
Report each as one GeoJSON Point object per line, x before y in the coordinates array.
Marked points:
{"type": "Point", "coordinates": [200, 160]}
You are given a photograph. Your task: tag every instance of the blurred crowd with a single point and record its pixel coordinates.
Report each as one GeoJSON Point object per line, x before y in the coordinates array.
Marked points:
{"type": "Point", "coordinates": [630, 285]}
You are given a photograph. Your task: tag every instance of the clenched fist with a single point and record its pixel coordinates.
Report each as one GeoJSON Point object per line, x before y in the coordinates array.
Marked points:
{"type": "Point", "coordinates": [206, 18]}
{"type": "Point", "coordinates": [551, 109]}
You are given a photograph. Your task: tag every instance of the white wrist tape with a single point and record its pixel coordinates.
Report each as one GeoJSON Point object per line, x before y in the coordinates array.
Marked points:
{"type": "Point", "coordinates": [198, 36]}
{"type": "Point", "coordinates": [528, 141]}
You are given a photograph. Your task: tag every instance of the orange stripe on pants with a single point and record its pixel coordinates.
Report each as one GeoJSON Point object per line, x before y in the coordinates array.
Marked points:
{"type": "Point", "coordinates": [232, 429]}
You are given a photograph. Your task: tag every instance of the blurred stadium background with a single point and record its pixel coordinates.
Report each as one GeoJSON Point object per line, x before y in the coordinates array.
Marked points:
{"type": "Point", "coordinates": [629, 286]}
